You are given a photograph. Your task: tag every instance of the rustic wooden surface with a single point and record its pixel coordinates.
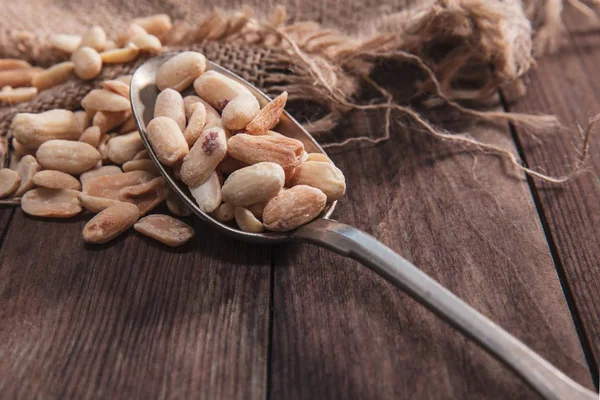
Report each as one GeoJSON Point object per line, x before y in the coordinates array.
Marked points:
{"type": "Point", "coordinates": [568, 85]}
{"type": "Point", "coordinates": [218, 319]}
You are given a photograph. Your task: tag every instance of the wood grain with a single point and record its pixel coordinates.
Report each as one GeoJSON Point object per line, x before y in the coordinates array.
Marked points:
{"type": "Point", "coordinates": [133, 318]}
{"type": "Point", "coordinates": [568, 86]}
{"type": "Point", "coordinates": [5, 217]}
{"type": "Point", "coordinates": [341, 332]}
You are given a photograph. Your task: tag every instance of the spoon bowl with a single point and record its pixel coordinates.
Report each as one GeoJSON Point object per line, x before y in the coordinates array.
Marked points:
{"type": "Point", "coordinates": [348, 241]}
{"type": "Point", "coordinates": [143, 97]}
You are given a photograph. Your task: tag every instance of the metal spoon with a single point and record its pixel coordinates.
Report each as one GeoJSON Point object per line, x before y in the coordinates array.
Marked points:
{"type": "Point", "coordinates": [349, 241]}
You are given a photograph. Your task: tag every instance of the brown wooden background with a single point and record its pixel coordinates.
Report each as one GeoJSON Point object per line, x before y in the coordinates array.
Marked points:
{"type": "Point", "coordinates": [222, 319]}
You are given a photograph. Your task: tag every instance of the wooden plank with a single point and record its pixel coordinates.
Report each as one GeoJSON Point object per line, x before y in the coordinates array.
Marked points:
{"type": "Point", "coordinates": [5, 218]}
{"type": "Point", "coordinates": [568, 86]}
{"type": "Point", "coordinates": [341, 332]}
{"type": "Point", "coordinates": [133, 318]}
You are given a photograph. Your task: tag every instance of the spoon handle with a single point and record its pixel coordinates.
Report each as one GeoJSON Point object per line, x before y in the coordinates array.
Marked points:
{"type": "Point", "coordinates": [536, 371]}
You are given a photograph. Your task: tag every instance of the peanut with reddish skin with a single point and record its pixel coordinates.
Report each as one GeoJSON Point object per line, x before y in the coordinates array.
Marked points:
{"type": "Point", "coordinates": [251, 149]}
{"type": "Point", "coordinates": [52, 203]}
{"type": "Point", "coordinates": [169, 103]}
{"type": "Point", "coordinates": [268, 117]}
{"type": "Point", "coordinates": [180, 71]}
{"type": "Point", "coordinates": [167, 140]}
{"type": "Point", "coordinates": [208, 151]}
{"type": "Point", "coordinates": [217, 89]}
{"type": "Point", "coordinates": [165, 229]}
{"type": "Point", "coordinates": [293, 207]}
{"type": "Point", "coordinates": [110, 223]}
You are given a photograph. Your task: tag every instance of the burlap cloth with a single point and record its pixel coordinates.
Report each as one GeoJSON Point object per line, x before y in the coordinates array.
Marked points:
{"type": "Point", "coordinates": [472, 47]}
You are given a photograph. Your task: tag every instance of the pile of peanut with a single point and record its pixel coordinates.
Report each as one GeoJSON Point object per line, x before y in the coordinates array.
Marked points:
{"type": "Point", "coordinates": [20, 81]}
{"type": "Point", "coordinates": [220, 143]}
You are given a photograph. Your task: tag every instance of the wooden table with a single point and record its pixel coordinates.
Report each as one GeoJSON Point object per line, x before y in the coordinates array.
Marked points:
{"type": "Point", "coordinates": [218, 319]}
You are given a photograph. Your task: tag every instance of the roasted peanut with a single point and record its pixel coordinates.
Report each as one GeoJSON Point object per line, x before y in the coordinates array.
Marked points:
{"type": "Point", "coordinates": [268, 117]}
{"type": "Point", "coordinates": [251, 149]}
{"type": "Point", "coordinates": [247, 222]}
{"type": "Point", "coordinates": [94, 37]}
{"type": "Point", "coordinates": [142, 155]}
{"type": "Point", "coordinates": [188, 101]}
{"type": "Point", "coordinates": [52, 203]}
{"type": "Point", "coordinates": [67, 156]}
{"type": "Point", "coordinates": [158, 24]}
{"type": "Point", "coordinates": [240, 111]}
{"type": "Point", "coordinates": [147, 42]}
{"type": "Point", "coordinates": [109, 120]}
{"type": "Point", "coordinates": [53, 76]}
{"type": "Point", "coordinates": [123, 148]}
{"type": "Point", "coordinates": [119, 56]}
{"type": "Point", "coordinates": [208, 151]}
{"type": "Point", "coordinates": [18, 95]}
{"type": "Point", "coordinates": [102, 147]}
{"type": "Point", "coordinates": [56, 180]}
{"type": "Point", "coordinates": [324, 176]}
{"type": "Point", "coordinates": [167, 140]}
{"type": "Point", "coordinates": [147, 195]}
{"type": "Point", "coordinates": [318, 157]}
{"type": "Point", "coordinates": [229, 165]}
{"type": "Point", "coordinates": [180, 71]}
{"type": "Point", "coordinates": [110, 223]}
{"type": "Point", "coordinates": [87, 62]}
{"type": "Point", "coordinates": [91, 136]}
{"type": "Point", "coordinates": [13, 63]}
{"type": "Point", "coordinates": [165, 229]}
{"type": "Point", "coordinates": [253, 184]}
{"type": "Point", "coordinates": [126, 79]}
{"type": "Point", "coordinates": [96, 204]}
{"type": "Point", "coordinates": [224, 213]}
{"type": "Point", "coordinates": [293, 207]}
{"type": "Point", "coordinates": [31, 130]}
{"type": "Point", "coordinates": [176, 206]}
{"type": "Point", "coordinates": [169, 103]}
{"type": "Point", "coordinates": [217, 89]}
{"type": "Point", "coordinates": [257, 209]}
{"type": "Point", "coordinates": [83, 119]}
{"type": "Point", "coordinates": [208, 194]}
{"type": "Point", "coordinates": [131, 31]}
{"type": "Point", "coordinates": [103, 100]}
{"type": "Point", "coordinates": [27, 168]}
{"type": "Point", "coordinates": [64, 42]}
{"type": "Point", "coordinates": [128, 126]}
{"type": "Point", "coordinates": [117, 87]}
{"type": "Point", "coordinates": [109, 186]}
{"type": "Point", "coordinates": [140, 165]}
{"type": "Point", "coordinates": [19, 148]}
{"type": "Point", "coordinates": [9, 182]}
{"type": "Point", "coordinates": [18, 77]}
{"type": "Point", "coordinates": [95, 173]}
{"type": "Point", "coordinates": [196, 124]}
